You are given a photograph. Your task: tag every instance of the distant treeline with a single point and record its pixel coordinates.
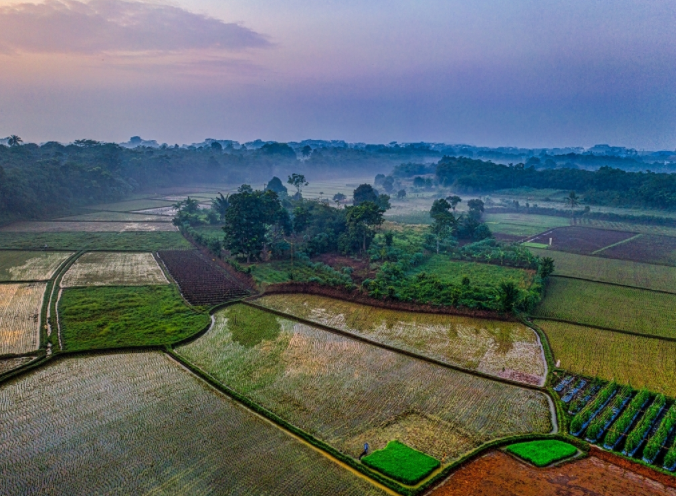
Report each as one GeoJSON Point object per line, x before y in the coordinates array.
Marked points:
{"type": "Point", "coordinates": [606, 186]}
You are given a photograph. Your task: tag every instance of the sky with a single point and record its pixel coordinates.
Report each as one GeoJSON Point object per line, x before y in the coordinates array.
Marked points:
{"type": "Point", "coordinates": [529, 73]}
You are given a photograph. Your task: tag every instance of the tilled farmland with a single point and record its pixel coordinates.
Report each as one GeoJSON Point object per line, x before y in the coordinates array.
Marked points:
{"type": "Point", "coordinates": [202, 282]}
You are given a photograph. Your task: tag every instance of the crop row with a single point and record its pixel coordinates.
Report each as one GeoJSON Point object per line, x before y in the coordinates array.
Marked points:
{"type": "Point", "coordinates": [627, 418]}
{"type": "Point", "coordinates": [598, 426]}
{"type": "Point", "coordinates": [658, 440]}
{"type": "Point", "coordinates": [636, 437]}
{"type": "Point", "coordinates": [582, 419]}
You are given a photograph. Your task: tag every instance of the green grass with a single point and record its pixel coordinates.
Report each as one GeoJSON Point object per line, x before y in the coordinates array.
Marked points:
{"type": "Point", "coordinates": [523, 224]}
{"type": "Point", "coordinates": [614, 307]}
{"type": "Point", "coordinates": [280, 271]}
{"type": "Point", "coordinates": [134, 241]}
{"type": "Point", "coordinates": [641, 275]}
{"type": "Point", "coordinates": [401, 463]}
{"type": "Point", "coordinates": [535, 245]}
{"type": "Point", "coordinates": [453, 272]}
{"type": "Point", "coordinates": [211, 232]}
{"type": "Point", "coordinates": [29, 265]}
{"type": "Point", "coordinates": [543, 453]}
{"type": "Point", "coordinates": [111, 317]}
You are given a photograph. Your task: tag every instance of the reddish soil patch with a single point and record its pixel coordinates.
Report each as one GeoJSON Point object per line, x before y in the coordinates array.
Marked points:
{"type": "Point", "coordinates": [360, 268]}
{"type": "Point", "coordinates": [581, 240]}
{"type": "Point", "coordinates": [646, 248]}
{"type": "Point", "coordinates": [498, 474]}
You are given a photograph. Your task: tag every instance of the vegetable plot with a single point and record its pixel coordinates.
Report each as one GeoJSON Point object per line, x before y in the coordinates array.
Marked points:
{"type": "Point", "coordinates": [401, 463]}
{"type": "Point", "coordinates": [543, 453]}
{"type": "Point", "coordinates": [20, 306]}
{"type": "Point", "coordinates": [114, 269]}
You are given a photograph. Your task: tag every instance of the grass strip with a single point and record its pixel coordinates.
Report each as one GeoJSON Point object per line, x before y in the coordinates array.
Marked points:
{"type": "Point", "coordinates": [623, 423]}
{"type": "Point", "coordinates": [598, 426]}
{"type": "Point", "coordinates": [582, 419]}
{"type": "Point", "coordinates": [543, 453]}
{"type": "Point", "coordinates": [656, 442]}
{"type": "Point", "coordinates": [635, 437]}
{"type": "Point", "coordinates": [402, 463]}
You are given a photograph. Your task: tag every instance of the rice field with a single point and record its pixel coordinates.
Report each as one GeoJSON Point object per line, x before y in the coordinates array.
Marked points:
{"type": "Point", "coordinates": [63, 227]}
{"type": "Point", "coordinates": [614, 307]}
{"type": "Point", "coordinates": [9, 364]}
{"type": "Point", "coordinates": [140, 424]}
{"type": "Point", "coordinates": [523, 224]}
{"type": "Point", "coordinates": [641, 275]}
{"type": "Point", "coordinates": [346, 392]}
{"type": "Point", "coordinates": [114, 269]}
{"type": "Point", "coordinates": [116, 217]}
{"type": "Point", "coordinates": [634, 360]}
{"type": "Point", "coordinates": [131, 205]}
{"type": "Point", "coordinates": [133, 241]}
{"type": "Point", "coordinates": [504, 349]}
{"type": "Point", "coordinates": [30, 266]}
{"type": "Point", "coordinates": [20, 306]}
{"type": "Point", "coordinates": [162, 211]}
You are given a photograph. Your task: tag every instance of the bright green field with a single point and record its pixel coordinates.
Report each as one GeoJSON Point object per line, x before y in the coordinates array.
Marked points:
{"type": "Point", "coordinates": [542, 453]}
{"type": "Point", "coordinates": [523, 224]}
{"type": "Point", "coordinates": [112, 317]}
{"type": "Point", "coordinates": [614, 307]}
{"type": "Point", "coordinates": [134, 241]}
{"type": "Point", "coordinates": [401, 462]}
{"type": "Point", "coordinates": [452, 272]}
{"type": "Point", "coordinates": [624, 272]}
{"type": "Point", "coordinates": [635, 360]}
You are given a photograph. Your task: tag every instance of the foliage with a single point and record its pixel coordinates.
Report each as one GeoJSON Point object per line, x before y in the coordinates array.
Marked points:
{"type": "Point", "coordinates": [362, 221]}
{"type": "Point", "coordinates": [300, 270]}
{"type": "Point", "coordinates": [600, 423]}
{"type": "Point", "coordinates": [134, 241]}
{"type": "Point", "coordinates": [444, 223]}
{"type": "Point", "coordinates": [297, 181]}
{"type": "Point", "coordinates": [543, 453]}
{"type": "Point", "coordinates": [112, 317]}
{"type": "Point", "coordinates": [479, 274]}
{"type": "Point", "coordinates": [659, 439]}
{"type": "Point", "coordinates": [275, 184]}
{"type": "Point", "coordinates": [670, 458]}
{"type": "Point", "coordinates": [636, 436]}
{"type": "Point", "coordinates": [364, 193]}
{"type": "Point", "coordinates": [401, 463]}
{"type": "Point", "coordinates": [590, 410]}
{"type": "Point", "coordinates": [492, 251]}
{"type": "Point", "coordinates": [623, 423]}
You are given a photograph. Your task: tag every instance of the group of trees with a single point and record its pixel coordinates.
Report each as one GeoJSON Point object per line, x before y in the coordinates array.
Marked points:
{"type": "Point", "coordinates": [447, 227]}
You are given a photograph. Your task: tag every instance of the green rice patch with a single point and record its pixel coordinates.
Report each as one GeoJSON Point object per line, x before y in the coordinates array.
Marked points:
{"type": "Point", "coordinates": [401, 463]}
{"type": "Point", "coordinates": [542, 453]}
{"type": "Point", "coordinates": [535, 245]}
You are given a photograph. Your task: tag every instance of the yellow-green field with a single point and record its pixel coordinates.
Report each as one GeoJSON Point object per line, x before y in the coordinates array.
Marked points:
{"type": "Point", "coordinates": [114, 269]}
{"type": "Point", "coordinates": [635, 360]}
{"type": "Point", "coordinates": [503, 349]}
{"type": "Point", "coordinates": [30, 265]}
{"type": "Point", "coordinates": [523, 224]}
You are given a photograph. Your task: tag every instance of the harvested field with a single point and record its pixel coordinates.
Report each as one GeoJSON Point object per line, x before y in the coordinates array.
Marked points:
{"type": "Point", "coordinates": [30, 266]}
{"type": "Point", "coordinates": [133, 241]}
{"type": "Point", "coordinates": [128, 206]}
{"type": "Point", "coordinates": [20, 306]}
{"type": "Point", "coordinates": [116, 217]}
{"type": "Point", "coordinates": [140, 424]}
{"type": "Point", "coordinates": [59, 227]}
{"type": "Point", "coordinates": [641, 275]}
{"type": "Point", "coordinates": [202, 282]}
{"type": "Point", "coordinates": [614, 307]}
{"type": "Point", "coordinates": [114, 269]}
{"type": "Point", "coordinates": [523, 225]}
{"type": "Point", "coordinates": [645, 248]}
{"type": "Point", "coordinates": [582, 240]}
{"type": "Point", "coordinates": [346, 392]}
{"type": "Point", "coordinates": [635, 360]}
{"type": "Point", "coordinates": [498, 474]}
{"type": "Point", "coordinates": [8, 364]}
{"type": "Point", "coordinates": [503, 349]}
{"type": "Point", "coordinates": [119, 316]}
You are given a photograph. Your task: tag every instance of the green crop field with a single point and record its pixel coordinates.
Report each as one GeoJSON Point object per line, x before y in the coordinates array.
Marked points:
{"type": "Point", "coordinates": [140, 424]}
{"type": "Point", "coordinates": [453, 272]}
{"type": "Point", "coordinates": [543, 453]}
{"type": "Point", "coordinates": [642, 275]}
{"type": "Point", "coordinates": [401, 462]}
{"type": "Point", "coordinates": [503, 349]}
{"type": "Point", "coordinates": [111, 317]}
{"type": "Point", "coordinates": [635, 360]}
{"type": "Point", "coordinates": [523, 224]}
{"type": "Point", "coordinates": [30, 266]}
{"type": "Point", "coordinates": [130, 206]}
{"type": "Point", "coordinates": [614, 307]}
{"type": "Point", "coordinates": [99, 268]}
{"type": "Point", "coordinates": [346, 392]}
{"type": "Point", "coordinates": [211, 232]}
{"type": "Point", "coordinates": [132, 241]}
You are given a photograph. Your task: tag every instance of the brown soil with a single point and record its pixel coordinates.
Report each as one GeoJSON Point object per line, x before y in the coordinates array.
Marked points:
{"type": "Point", "coordinates": [499, 474]}
{"type": "Point", "coordinates": [581, 240]}
{"type": "Point", "coordinates": [647, 248]}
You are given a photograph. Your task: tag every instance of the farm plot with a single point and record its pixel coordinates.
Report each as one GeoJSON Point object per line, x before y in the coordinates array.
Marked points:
{"type": "Point", "coordinates": [523, 224]}
{"type": "Point", "coordinates": [504, 349]}
{"type": "Point", "coordinates": [645, 248]}
{"type": "Point", "coordinates": [114, 269]}
{"type": "Point", "coordinates": [628, 226]}
{"type": "Point", "coordinates": [20, 306]}
{"type": "Point", "coordinates": [129, 206]}
{"type": "Point", "coordinates": [133, 241]}
{"type": "Point", "coordinates": [116, 217]}
{"type": "Point", "coordinates": [641, 275]}
{"type": "Point", "coordinates": [497, 473]}
{"type": "Point", "coordinates": [582, 240]}
{"type": "Point", "coordinates": [201, 281]}
{"type": "Point", "coordinates": [346, 392]}
{"type": "Point", "coordinates": [119, 316]}
{"type": "Point", "coordinates": [614, 307]}
{"type": "Point", "coordinates": [635, 360]}
{"type": "Point", "coordinates": [62, 227]}
{"type": "Point", "coordinates": [140, 424]}
{"type": "Point", "coordinates": [163, 211]}
{"type": "Point", "coordinates": [30, 266]}
{"type": "Point", "coordinates": [8, 364]}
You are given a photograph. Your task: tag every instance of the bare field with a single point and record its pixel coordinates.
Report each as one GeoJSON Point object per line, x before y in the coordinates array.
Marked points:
{"type": "Point", "coordinates": [20, 306]}
{"type": "Point", "coordinates": [635, 360]}
{"type": "Point", "coordinates": [346, 392]}
{"type": "Point", "coordinates": [30, 266]}
{"type": "Point", "coordinates": [140, 424]}
{"type": "Point", "coordinates": [56, 227]}
{"type": "Point", "coordinates": [645, 248]}
{"type": "Point", "coordinates": [114, 269]}
{"type": "Point", "coordinates": [583, 240]}
{"type": "Point", "coordinates": [503, 349]}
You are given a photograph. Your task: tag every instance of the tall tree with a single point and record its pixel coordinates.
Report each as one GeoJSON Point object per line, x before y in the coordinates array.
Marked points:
{"type": "Point", "coordinates": [220, 204]}
{"type": "Point", "coordinates": [362, 221]}
{"type": "Point", "coordinates": [297, 181]}
{"type": "Point", "coordinates": [14, 140]}
{"type": "Point", "coordinates": [365, 193]}
{"type": "Point", "coordinates": [444, 221]}
{"type": "Point", "coordinates": [339, 198]}
{"type": "Point", "coordinates": [275, 184]}
{"type": "Point", "coordinates": [573, 201]}
{"type": "Point", "coordinates": [454, 200]}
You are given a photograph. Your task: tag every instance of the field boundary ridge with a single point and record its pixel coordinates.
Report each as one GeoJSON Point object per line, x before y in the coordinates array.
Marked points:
{"type": "Point", "coordinates": [608, 329]}
{"type": "Point", "coordinates": [576, 278]}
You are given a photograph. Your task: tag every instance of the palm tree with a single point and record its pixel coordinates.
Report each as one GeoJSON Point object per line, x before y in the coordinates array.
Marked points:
{"type": "Point", "coordinates": [220, 204]}
{"type": "Point", "coordinates": [14, 140]}
{"type": "Point", "coordinates": [573, 200]}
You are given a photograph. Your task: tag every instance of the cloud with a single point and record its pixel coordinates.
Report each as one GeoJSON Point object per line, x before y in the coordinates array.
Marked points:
{"type": "Point", "coordinates": [108, 26]}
